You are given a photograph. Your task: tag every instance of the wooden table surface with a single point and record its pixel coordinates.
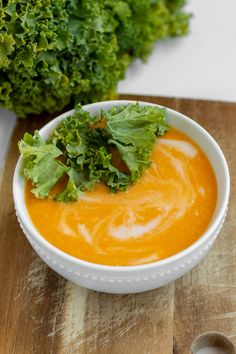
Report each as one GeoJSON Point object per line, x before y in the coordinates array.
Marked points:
{"type": "Point", "coordinates": [42, 313]}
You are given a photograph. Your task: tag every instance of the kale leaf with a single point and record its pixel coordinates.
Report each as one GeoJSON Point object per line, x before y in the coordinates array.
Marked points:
{"type": "Point", "coordinates": [84, 144]}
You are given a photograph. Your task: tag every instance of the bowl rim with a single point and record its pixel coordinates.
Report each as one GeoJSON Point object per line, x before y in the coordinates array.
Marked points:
{"type": "Point", "coordinates": [34, 233]}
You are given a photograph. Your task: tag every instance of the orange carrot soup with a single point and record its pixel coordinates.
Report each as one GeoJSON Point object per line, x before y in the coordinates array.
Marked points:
{"type": "Point", "coordinates": [166, 211]}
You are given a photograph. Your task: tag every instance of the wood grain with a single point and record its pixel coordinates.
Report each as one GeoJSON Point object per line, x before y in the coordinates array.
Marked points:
{"type": "Point", "coordinates": [42, 313]}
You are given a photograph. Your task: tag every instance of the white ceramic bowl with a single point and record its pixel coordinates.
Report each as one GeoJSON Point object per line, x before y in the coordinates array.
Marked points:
{"type": "Point", "coordinates": [130, 279]}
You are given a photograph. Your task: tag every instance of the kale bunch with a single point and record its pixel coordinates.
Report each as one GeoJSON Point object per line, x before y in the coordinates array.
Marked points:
{"type": "Point", "coordinates": [55, 51]}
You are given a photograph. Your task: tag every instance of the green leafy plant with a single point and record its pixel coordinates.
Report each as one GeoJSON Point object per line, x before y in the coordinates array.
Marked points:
{"type": "Point", "coordinates": [85, 143]}
{"type": "Point", "coordinates": [52, 51]}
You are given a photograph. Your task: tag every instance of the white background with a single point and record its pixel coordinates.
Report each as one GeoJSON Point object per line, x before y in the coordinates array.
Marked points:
{"type": "Point", "coordinates": [200, 65]}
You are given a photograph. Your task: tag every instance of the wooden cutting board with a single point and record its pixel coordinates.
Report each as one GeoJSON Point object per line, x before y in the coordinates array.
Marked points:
{"type": "Point", "coordinates": [40, 312]}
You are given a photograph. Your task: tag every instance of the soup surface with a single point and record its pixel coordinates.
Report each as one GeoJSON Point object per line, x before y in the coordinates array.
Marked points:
{"type": "Point", "coordinates": [166, 211]}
